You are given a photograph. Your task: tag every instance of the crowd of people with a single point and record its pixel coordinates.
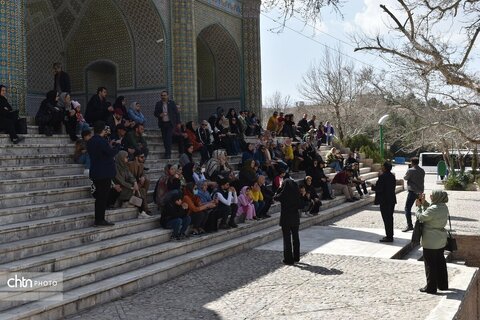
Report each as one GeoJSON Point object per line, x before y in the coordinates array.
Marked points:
{"type": "Point", "coordinates": [213, 194]}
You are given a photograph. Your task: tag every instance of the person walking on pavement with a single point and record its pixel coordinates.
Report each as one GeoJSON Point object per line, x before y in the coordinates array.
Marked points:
{"type": "Point", "coordinates": [166, 112]}
{"type": "Point", "coordinates": [415, 177]}
{"type": "Point", "coordinates": [386, 198]}
{"type": "Point", "coordinates": [102, 170]}
{"type": "Point", "coordinates": [290, 200]}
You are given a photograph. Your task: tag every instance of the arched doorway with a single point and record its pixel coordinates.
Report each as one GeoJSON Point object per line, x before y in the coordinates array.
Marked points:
{"type": "Point", "coordinates": [101, 74]}
{"type": "Point", "coordinates": [219, 71]}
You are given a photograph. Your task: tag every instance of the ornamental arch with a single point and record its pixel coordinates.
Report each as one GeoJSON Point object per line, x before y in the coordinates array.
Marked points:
{"type": "Point", "coordinates": [219, 71]}
{"type": "Point", "coordinates": [86, 34]}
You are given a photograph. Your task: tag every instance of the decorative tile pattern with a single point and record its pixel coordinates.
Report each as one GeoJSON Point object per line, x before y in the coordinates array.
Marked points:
{"type": "Point", "coordinates": [205, 72]}
{"type": "Point", "coordinates": [227, 61]}
{"type": "Point", "coordinates": [251, 55]}
{"type": "Point", "coordinates": [207, 35]}
{"type": "Point", "coordinates": [184, 57]}
{"type": "Point", "coordinates": [206, 16]}
{"type": "Point", "coordinates": [146, 28]}
{"type": "Point", "coordinates": [44, 47]}
{"type": "Point", "coordinates": [230, 6]}
{"type": "Point", "coordinates": [12, 51]}
{"type": "Point", "coordinates": [113, 44]}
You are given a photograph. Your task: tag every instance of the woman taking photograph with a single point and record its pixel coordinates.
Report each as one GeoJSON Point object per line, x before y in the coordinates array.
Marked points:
{"type": "Point", "coordinates": [434, 238]}
{"type": "Point", "coordinates": [290, 200]}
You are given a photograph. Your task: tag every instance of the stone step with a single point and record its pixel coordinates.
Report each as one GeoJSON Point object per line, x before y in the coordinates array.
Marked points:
{"type": "Point", "coordinates": [18, 199]}
{"type": "Point", "coordinates": [45, 210]}
{"type": "Point", "coordinates": [85, 272]}
{"type": "Point", "coordinates": [36, 160]}
{"type": "Point", "coordinates": [43, 183]}
{"type": "Point", "coordinates": [71, 257]}
{"type": "Point", "coordinates": [26, 248]}
{"type": "Point", "coordinates": [143, 276]}
{"type": "Point", "coordinates": [40, 171]}
{"type": "Point", "coordinates": [38, 139]}
{"type": "Point", "coordinates": [42, 149]}
{"type": "Point", "coordinates": [52, 225]}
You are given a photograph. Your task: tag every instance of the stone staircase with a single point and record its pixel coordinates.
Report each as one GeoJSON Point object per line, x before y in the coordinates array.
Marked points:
{"type": "Point", "coordinates": [46, 218]}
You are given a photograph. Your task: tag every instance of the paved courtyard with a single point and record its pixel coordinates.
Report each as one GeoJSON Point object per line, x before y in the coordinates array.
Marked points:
{"type": "Point", "coordinates": [344, 273]}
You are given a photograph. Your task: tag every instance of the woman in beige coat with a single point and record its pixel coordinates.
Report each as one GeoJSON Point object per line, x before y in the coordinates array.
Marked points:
{"type": "Point", "coordinates": [434, 238]}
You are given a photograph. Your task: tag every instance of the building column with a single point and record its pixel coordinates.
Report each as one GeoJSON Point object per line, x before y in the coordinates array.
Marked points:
{"type": "Point", "coordinates": [252, 56]}
{"type": "Point", "coordinates": [184, 51]}
{"type": "Point", "coordinates": [13, 51]}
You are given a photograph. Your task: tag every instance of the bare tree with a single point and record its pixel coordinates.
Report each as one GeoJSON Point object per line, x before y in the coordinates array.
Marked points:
{"type": "Point", "coordinates": [416, 42]}
{"type": "Point", "coordinates": [278, 102]}
{"type": "Point", "coordinates": [332, 82]}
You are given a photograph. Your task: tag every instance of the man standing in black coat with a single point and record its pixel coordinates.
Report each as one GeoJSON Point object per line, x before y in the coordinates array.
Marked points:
{"type": "Point", "coordinates": [385, 196]}
{"type": "Point", "coordinates": [102, 170]}
{"type": "Point", "coordinates": [166, 112]}
{"type": "Point", "coordinates": [290, 200]}
{"type": "Point", "coordinates": [98, 108]}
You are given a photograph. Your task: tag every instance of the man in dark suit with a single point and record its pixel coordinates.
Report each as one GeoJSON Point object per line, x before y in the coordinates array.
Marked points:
{"type": "Point", "coordinates": [385, 196]}
{"type": "Point", "coordinates": [166, 112]}
{"type": "Point", "coordinates": [97, 108]}
{"type": "Point", "coordinates": [61, 79]}
{"type": "Point", "coordinates": [102, 170]}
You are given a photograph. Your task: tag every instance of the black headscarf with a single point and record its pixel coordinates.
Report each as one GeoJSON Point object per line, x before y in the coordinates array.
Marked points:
{"type": "Point", "coordinates": [52, 97]}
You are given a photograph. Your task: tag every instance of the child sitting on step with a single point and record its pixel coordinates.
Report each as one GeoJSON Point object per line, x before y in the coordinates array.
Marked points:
{"type": "Point", "coordinates": [246, 209]}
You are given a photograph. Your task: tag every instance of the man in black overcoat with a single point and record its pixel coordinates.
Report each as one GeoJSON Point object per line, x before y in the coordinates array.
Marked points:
{"type": "Point", "coordinates": [385, 197]}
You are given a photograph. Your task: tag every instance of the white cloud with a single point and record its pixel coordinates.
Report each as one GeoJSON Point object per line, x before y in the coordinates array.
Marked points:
{"type": "Point", "coordinates": [371, 19]}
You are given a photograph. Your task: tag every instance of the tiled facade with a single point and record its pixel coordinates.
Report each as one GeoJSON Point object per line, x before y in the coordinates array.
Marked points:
{"type": "Point", "coordinates": [193, 48]}
{"type": "Point", "coordinates": [12, 50]}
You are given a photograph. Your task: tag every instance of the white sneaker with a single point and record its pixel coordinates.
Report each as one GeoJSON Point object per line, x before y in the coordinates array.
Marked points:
{"type": "Point", "coordinates": [143, 215]}
{"type": "Point", "coordinates": [86, 172]}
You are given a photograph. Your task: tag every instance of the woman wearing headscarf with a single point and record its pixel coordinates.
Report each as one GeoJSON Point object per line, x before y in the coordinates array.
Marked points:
{"type": "Point", "coordinates": [191, 128]}
{"type": "Point", "coordinates": [70, 119]}
{"type": "Point", "coordinates": [49, 117]}
{"type": "Point", "coordinates": [434, 216]}
{"type": "Point", "coordinates": [134, 113]}
{"type": "Point", "coordinates": [8, 117]}
{"type": "Point", "coordinates": [197, 210]}
{"type": "Point", "coordinates": [247, 175]}
{"type": "Point", "coordinates": [290, 201]}
{"type": "Point", "coordinates": [218, 166]}
{"type": "Point", "coordinates": [120, 103]}
{"type": "Point", "coordinates": [125, 183]}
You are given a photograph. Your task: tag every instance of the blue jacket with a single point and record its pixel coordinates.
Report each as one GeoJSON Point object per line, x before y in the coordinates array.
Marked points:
{"type": "Point", "coordinates": [102, 163]}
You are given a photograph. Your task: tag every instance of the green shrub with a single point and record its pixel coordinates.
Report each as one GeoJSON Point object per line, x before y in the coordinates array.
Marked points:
{"type": "Point", "coordinates": [358, 141]}
{"type": "Point", "coordinates": [453, 182]}
{"type": "Point", "coordinates": [372, 154]}
{"type": "Point", "coordinates": [461, 181]}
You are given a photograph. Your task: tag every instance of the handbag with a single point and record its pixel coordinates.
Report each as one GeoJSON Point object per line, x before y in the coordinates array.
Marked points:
{"type": "Point", "coordinates": [451, 241]}
{"type": "Point", "coordinates": [417, 232]}
{"type": "Point", "coordinates": [136, 201]}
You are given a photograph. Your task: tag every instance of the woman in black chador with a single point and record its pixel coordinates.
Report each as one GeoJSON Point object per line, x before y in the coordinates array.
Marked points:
{"type": "Point", "coordinates": [289, 196]}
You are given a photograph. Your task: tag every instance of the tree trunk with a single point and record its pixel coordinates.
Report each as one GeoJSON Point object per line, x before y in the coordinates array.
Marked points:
{"type": "Point", "coordinates": [339, 122]}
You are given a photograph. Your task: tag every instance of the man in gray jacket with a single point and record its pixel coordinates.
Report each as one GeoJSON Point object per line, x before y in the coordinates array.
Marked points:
{"type": "Point", "coordinates": [415, 177]}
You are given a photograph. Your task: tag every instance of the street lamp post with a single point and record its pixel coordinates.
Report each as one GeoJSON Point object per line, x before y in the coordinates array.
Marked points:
{"type": "Point", "coordinates": [381, 122]}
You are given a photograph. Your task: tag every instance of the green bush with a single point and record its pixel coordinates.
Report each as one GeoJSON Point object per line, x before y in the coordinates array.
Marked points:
{"type": "Point", "coordinates": [453, 182]}
{"type": "Point", "coordinates": [372, 154]}
{"type": "Point", "coordinates": [358, 141]}
{"type": "Point", "coordinates": [461, 181]}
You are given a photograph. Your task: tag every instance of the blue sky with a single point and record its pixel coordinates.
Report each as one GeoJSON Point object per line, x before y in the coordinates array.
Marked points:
{"type": "Point", "coordinates": [286, 56]}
